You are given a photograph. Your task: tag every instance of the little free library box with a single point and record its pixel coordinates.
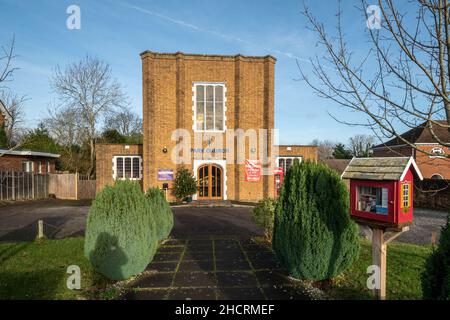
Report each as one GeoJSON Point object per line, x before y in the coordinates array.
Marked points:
{"type": "Point", "coordinates": [381, 190]}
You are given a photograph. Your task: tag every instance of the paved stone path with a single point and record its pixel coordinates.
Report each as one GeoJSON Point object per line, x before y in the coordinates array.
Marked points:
{"type": "Point", "coordinates": [214, 268]}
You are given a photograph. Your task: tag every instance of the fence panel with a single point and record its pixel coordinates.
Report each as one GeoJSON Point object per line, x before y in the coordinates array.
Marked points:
{"type": "Point", "coordinates": [86, 189]}
{"type": "Point", "coordinates": [71, 186]}
{"type": "Point", "coordinates": [22, 186]}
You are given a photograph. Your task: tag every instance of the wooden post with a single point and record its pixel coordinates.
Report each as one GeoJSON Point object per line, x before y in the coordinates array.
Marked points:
{"type": "Point", "coordinates": [379, 259]}
{"type": "Point", "coordinates": [76, 185]}
{"type": "Point", "coordinates": [379, 254]}
{"type": "Point", "coordinates": [433, 238]}
{"type": "Point", "coordinates": [40, 229]}
{"type": "Point", "coordinates": [13, 183]}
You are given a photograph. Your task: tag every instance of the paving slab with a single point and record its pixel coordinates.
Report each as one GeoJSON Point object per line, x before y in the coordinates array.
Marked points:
{"type": "Point", "coordinates": [214, 267]}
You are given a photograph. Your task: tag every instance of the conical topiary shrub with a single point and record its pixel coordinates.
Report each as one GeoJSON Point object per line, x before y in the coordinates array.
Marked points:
{"type": "Point", "coordinates": [163, 213]}
{"type": "Point", "coordinates": [184, 184]}
{"type": "Point", "coordinates": [121, 231]}
{"type": "Point", "coordinates": [436, 277]}
{"type": "Point", "coordinates": [314, 237]}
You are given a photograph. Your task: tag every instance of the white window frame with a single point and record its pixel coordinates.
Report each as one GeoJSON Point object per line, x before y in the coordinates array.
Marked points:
{"type": "Point", "coordinates": [123, 164]}
{"type": "Point", "coordinates": [48, 166]}
{"type": "Point", "coordinates": [405, 195]}
{"type": "Point", "coordinates": [438, 176]}
{"type": "Point", "coordinates": [29, 165]}
{"type": "Point", "coordinates": [40, 167]}
{"type": "Point", "coordinates": [194, 105]}
{"type": "Point", "coordinates": [299, 158]}
{"type": "Point", "coordinates": [436, 149]}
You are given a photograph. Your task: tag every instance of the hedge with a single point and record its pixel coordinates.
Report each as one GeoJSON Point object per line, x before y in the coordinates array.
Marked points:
{"type": "Point", "coordinates": [121, 237]}
{"type": "Point", "coordinates": [314, 237]}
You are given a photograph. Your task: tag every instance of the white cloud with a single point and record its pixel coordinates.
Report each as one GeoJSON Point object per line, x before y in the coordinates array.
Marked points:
{"type": "Point", "coordinates": [227, 37]}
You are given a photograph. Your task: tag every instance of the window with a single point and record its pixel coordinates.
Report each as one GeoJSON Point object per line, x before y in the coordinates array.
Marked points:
{"type": "Point", "coordinates": [127, 167]}
{"type": "Point", "coordinates": [48, 166]}
{"type": "Point", "coordinates": [437, 176]}
{"type": "Point", "coordinates": [287, 162]}
{"type": "Point", "coordinates": [27, 166]}
{"type": "Point", "coordinates": [437, 152]}
{"type": "Point", "coordinates": [372, 199]}
{"type": "Point", "coordinates": [39, 167]}
{"type": "Point", "coordinates": [209, 107]}
{"type": "Point", "coordinates": [406, 195]}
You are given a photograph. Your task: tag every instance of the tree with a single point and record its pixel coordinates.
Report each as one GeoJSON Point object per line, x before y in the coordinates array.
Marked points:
{"type": "Point", "coordinates": [402, 80]}
{"type": "Point", "coordinates": [360, 145]}
{"type": "Point", "coordinates": [324, 148]}
{"type": "Point", "coordinates": [314, 236]}
{"type": "Point", "coordinates": [436, 277]}
{"type": "Point", "coordinates": [40, 140]}
{"type": "Point", "coordinates": [341, 152]}
{"type": "Point", "coordinates": [112, 136]}
{"type": "Point", "coordinates": [14, 104]}
{"type": "Point", "coordinates": [3, 137]}
{"type": "Point", "coordinates": [184, 184]}
{"type": "Point", "coordinates": [87, 89]}
{"type": "Point", "coordinates": [7, 57]}
{"type": "Point", "coordinates": [126, 122]}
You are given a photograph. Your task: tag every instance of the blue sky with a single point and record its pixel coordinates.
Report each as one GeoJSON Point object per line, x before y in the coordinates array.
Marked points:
{"type": "Point", "coordinates": [117, 31]}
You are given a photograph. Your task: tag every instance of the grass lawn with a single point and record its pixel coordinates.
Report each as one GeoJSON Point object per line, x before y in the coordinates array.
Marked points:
{"type": "Point", "coordinates": [32, 270]}
{"type": "Point", "coordinates": [405, 263]}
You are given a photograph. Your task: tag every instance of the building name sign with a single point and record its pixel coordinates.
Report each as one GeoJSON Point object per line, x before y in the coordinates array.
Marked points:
{"type": "Point", "coordinates": [165, 175]}
{"type": "Point", "coordinates": [210, 150]}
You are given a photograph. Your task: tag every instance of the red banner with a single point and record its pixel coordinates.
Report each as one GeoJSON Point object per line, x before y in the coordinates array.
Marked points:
{"type": "Point", "coordinates": [252, 170]}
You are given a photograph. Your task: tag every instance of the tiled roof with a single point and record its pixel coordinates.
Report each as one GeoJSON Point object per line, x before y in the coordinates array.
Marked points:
{"type": "Point", "coordinates": [420, 134]}
{"type": "Point", "coordinates": [385, 168]}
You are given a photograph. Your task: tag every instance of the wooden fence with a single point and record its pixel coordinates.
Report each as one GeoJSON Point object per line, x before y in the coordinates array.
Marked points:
{"type": "Point", "coordinates": [71, 186]}
{"type": "Point", "coordinates": [22, 185]}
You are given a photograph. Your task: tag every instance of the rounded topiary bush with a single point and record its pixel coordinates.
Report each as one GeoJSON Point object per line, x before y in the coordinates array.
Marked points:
{"type": "Point", "coordinates": [314, 237]}
{"type": "Point", "coordinates": [436, 277]}
{"type": "Point", "coordinates": [163, 213]}
{"type": "Point", "coordinates": [121, 235]}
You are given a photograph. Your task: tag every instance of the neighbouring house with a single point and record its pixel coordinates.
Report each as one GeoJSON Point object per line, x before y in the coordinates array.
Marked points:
{"type": "Point", "coordinates": [205, 104]}
{"type": "Point", "coordinates": [27, 161]}
{"type": "Point", "coordinates": [434, 166]}
{"type": "Point", "coordinates": [337, 165]}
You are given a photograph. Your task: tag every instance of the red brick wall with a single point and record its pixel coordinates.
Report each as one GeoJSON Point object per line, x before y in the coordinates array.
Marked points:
{"type": "Point", "coordinates": [14, 163]}
{"type": "Point", "coordinates": [433, 165]}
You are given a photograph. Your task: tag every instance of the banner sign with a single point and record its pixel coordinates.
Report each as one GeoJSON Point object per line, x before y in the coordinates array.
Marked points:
{"type": "Point", "coordinates": [252, 170]}
{"type": "Point", "coordinates": [165, 174]}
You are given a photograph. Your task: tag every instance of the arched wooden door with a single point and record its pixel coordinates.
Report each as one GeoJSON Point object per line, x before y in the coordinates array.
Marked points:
{"type": "Point", "coordinates": [209, 182]}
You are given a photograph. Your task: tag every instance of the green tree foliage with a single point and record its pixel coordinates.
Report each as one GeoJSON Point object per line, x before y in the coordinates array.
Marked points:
{"type": "Point", "coordinates": [341, 152]}
{"type": "Point", "coordinates": [112, 136]}
{"type": "Point", "coordinates": [184, 184]}
{"type": "Point", "coordinates": [436, 277]}
{"type": "Point", "coordinates": [164, 215]}
{"type": "Point", "coordinates": [40, 140]}
{"type": "Point", "coordinates": [314, 236]}
{"type": "Point", "coordinates": [263, 215]}
{"type": "Point", "coordinates": [121, 237]}
{"type": "Point", "coordinates": [3, 137]}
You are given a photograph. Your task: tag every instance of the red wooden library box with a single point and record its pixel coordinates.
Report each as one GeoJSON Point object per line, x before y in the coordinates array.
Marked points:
{"type": "Point", "coordinates": [381, 190]}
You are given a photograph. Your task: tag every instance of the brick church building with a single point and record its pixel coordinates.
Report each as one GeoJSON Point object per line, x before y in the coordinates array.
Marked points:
{"type": "Point", "coordinates": [212, 114]}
